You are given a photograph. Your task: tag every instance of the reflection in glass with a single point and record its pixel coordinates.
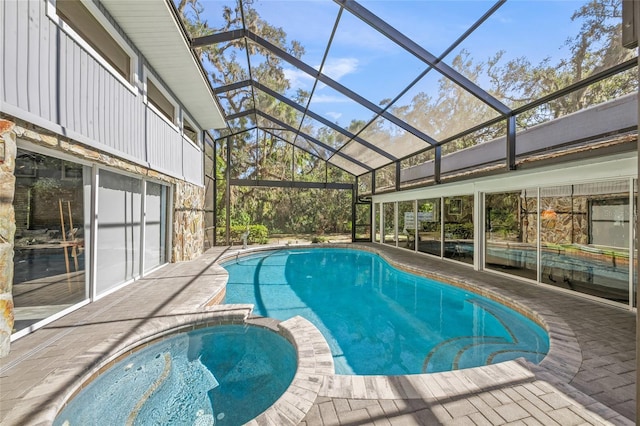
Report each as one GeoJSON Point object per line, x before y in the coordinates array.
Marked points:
{"type": "Point", "coordinates": [457, 214]}
{"type": "Point", "coordinates": [119, 213]}
{"type": "Point", "coordinates": [49, 249]}
{"type": "Point", "coordinates": [406, 225]}
{"type": "Point", "coordinates": [429, 226]}
{"type": "Point", "coordinates": [510, 232]}
{"type": "Point", "coordinates": [389, 221]}
{"type": "Point", "coordinates": [155, 226]}
{"type": "Point", "coordinates": [584, 236]}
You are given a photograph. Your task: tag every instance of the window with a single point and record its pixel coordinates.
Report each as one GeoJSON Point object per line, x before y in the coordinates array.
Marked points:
{"type": "Point", "coordinates": [156, 98]}
{"type": "Point", "coordinates": [52, 217]}
{"type": "Point", "coordinates": [81, 20]}
{"type": "Point", "coordinates": [190, 131]}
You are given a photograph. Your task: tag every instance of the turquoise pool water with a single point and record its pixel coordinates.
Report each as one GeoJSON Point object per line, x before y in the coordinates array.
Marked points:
{"type": "Point", "coordinates": [380, 320]}
{"type": "Point", "coordinates": [222, 375]}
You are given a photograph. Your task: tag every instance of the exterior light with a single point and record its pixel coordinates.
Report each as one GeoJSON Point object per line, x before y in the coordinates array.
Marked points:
{"type": "Point", "coordinates": [548, 214]}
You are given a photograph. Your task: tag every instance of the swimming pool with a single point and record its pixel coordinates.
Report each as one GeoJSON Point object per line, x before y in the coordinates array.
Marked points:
{"type": "Point", "coordinates": [379, 320]}
{"type": "Point", "coordinates": [223, 375]}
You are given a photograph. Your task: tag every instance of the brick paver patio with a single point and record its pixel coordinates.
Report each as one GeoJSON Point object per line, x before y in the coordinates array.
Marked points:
{"type": "Point", "coordinates": [588, 377]}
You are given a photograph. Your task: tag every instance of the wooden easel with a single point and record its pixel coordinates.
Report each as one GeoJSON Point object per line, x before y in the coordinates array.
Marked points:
{"type": "Point", "coordinates": [71, 243]}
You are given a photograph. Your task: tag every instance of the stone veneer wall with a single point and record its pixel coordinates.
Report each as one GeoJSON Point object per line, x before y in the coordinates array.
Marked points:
{"type": "Point", "coordinates": [188, 221]}
{"type": "Point", "coordinates": [188, 206]}
{"type": "Point", "coordinates": [569, 225]}
{"type": "Point", "coordinates": [7, 232]}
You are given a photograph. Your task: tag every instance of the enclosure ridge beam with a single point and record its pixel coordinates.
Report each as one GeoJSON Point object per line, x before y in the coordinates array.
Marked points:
{"type": "Point", "coordinates": [218, 38]}
{"type": "Point", "coordinates": [232, 86]}
{"type": "Point", "coordinates": [242, 114]}
{"type": "Point", "coordinates": [236, 133]}
{"type": "Point", "coordinates": [291, 184]}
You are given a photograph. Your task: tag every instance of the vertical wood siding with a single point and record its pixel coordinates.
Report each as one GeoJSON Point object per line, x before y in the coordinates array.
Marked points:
{"type": "Point", "coordinates": [47, 74]}
{"type": "Point", "coordinates": [165, 149]}
{"type": "Point", "coordinates": [192, 163]}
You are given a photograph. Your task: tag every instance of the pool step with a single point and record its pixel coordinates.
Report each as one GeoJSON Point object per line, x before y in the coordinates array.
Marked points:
{"type": "Point", "coordinates": [446, 355]}
{"type": "Point", "coordinates": [462, 352]}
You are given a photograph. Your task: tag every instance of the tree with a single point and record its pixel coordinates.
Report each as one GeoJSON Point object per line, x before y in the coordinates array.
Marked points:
{"type": "Point", "coordinates": [517, 82]}
{"type": "Point", "coordinates": [263, 154]}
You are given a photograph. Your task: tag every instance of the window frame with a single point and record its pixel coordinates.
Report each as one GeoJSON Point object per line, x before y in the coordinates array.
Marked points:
{"type": "Point", "coordinates": [98, 56]}
{"type": "Point", "coordinates": [173, 122]}
{"type": "Point", "coordinates": [187, 120]}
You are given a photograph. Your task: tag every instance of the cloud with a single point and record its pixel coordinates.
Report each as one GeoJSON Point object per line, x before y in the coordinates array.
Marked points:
{"type": "Point", "coordinates": [327, 99]}
{"type": "Point", "coordinates": [334, 115]}
{"type": "Point", "coordinates": [338, 68]}
{"type": "Point", "coordinates": [298, 78]}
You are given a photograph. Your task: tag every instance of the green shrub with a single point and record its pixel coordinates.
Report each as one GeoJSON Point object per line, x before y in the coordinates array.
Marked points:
{"type": "Point", "coordinates": [257, 234]}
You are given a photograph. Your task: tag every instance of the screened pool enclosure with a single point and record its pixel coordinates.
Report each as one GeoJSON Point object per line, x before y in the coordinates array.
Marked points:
{"type": "Point", "coordinates": [431, 126]}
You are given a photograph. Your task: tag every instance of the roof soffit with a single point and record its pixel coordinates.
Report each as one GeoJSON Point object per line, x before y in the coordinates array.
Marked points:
{"type": "Point", "coordinates": [152, 27]}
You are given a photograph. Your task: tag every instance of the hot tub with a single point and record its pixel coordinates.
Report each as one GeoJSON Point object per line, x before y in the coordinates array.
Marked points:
{"type": "Point", "coordinates": [223, 375]}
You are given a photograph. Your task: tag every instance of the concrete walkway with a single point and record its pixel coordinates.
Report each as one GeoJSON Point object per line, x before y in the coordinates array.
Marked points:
{"type": "Point", "coordinates": [588, 377]}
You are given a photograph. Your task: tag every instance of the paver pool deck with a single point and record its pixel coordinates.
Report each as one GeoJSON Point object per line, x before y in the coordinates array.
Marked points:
{"type": "Point", "coordinates": [588, 377]}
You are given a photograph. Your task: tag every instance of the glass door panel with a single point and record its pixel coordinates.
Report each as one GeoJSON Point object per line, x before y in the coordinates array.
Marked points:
{"type": "Point", "coordinates": [389, 223]}
{"type": "Point", "coordinates": [510, 232]}
{"type": "Point", "coordinates": [430, 226]}
{"type": "Point", "coordinates": [584, 235]}
{"type": "Point", "coordinates": [457, 217]}
{"type": "Point", "coordinates": [406, 225]}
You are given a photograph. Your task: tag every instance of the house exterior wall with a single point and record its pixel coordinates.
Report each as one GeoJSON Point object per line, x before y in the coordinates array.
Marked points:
{"type": "Point", "coordinates": [60, 96]}
{"type": "Point", "coordinates": [187, 228]}
{"type": "Point", "coordinates": [53, 82]}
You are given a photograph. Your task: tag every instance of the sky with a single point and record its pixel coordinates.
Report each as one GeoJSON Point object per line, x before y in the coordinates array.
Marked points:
{"type": "Point", "coordinates": [371, 65]}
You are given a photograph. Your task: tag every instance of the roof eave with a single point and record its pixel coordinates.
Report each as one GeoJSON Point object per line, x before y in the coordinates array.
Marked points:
{"type": "Point", "coordinates": [153, 28]}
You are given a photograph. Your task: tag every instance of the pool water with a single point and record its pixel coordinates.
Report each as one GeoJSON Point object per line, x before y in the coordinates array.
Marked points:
{"type": "Point", "coordinates": [222, 375]}
{"type": "Point", "coordinates": [378, 319]}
